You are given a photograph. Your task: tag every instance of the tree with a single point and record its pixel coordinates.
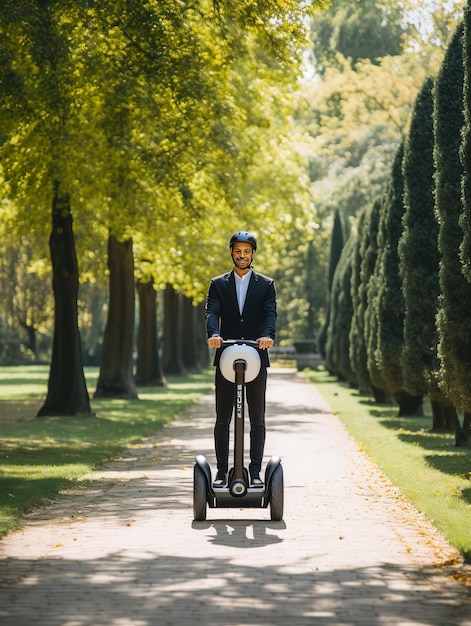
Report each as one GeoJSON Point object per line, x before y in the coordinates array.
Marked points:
{"type": "Point", "coordinates": [453, 321]}
{"type": "Point", "coordinates": [419, 261]}
{"type": "Point", "coordinates": [373, 284]}
{"type": "Point", "coordinates": [26, 306]}
{"type": "Point", "coordinates": [357, 101]}
{"type": "Point", "coordinates": [204, 119]}
{"type": "Point", "coordinates": [464, 55]}
{"type": "Point", "coordinates": [361, 363]}
{"type": "Point", "coordinates": [148, 365]}
{"type": "Point", "coordinates": [70, 397]}
{"type": "Point", "coordinates": [388, 302]}
{"type": "Point", "coordinates": [116, 378]}
{"type": "Point", "coordinates": [338, 334]}
{"type": "Point", "coordinates": [172, 355]}
{"type": "Point", "coordinates": [464, 434]}
{"type": "Point", "coordinates": [363, 30]}
{"type": "Point", "coordinates": [39, 125]}
{"type": "Point", "coordinates": [146, 93]}
{"type": "Point", "coordinates": [336, 247]}
{"type": "Point", "coordinates": [357, 345]}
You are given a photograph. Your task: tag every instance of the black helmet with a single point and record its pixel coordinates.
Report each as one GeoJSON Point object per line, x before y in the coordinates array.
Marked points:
{"type": "Point", "coordinates": [245, 237]}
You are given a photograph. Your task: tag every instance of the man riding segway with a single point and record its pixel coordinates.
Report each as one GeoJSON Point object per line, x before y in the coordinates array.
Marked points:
{"type": "Point", "coordinates": [241, 304]}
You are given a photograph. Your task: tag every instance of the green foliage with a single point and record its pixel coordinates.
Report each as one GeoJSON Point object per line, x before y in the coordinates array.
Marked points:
{"type": "Point", "coordinates": [431, 24]}
{"type": "Point", "coordinates": [357, 344]}
{"type": "Point", "coordinates": [454, 323]}
{"type": "Point", "coordinates": [173, 123]}
{"type": "Point", "coordinates": [418, 250]}
{"type": "Point", "coordinates": [360, 30]}
{"type": "Point", "coordinates": [372, 285]}
{"type": "Point", "coordinates": [341, 312]}
{"type": "Point", "coordinates": [465, 218]}
{"type": "Point", "coordinates": [335, 250]}
{"type": "Point", "coordinates": [356, 120]}
{"type": "Point", "coordinates": [387, 303]}
{"type": "Point", "coordinates": [163, 122]}
{"type": "Point", "coordinates": [43, 127]}
{"type": "Point", "coordinates": [358, 102]}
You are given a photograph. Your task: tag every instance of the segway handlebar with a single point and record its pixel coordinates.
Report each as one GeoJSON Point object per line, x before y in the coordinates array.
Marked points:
{"type": "Point", "coordinates": [246, 342]}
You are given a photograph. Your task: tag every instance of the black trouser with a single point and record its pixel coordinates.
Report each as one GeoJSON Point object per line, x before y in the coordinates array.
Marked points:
{"type": "Point", "coordinates": [255, 395]}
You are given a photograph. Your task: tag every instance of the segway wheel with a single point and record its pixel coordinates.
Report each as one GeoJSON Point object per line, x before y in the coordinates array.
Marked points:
{"type": "Point", "coordinates": [199, 495]}
{"type": "Point", "coordinates": [277, 497]}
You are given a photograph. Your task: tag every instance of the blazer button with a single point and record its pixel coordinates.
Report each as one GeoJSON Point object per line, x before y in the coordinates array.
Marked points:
{"type": "Point", "coordinates": [241, 319]}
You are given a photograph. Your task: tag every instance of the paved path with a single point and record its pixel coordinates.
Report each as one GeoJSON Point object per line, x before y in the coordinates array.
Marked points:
{"type": "Point", "coordinates": [124, 550]}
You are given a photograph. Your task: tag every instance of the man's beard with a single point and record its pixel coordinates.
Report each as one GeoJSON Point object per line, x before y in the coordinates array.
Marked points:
{"type": "Point", "coordinates": [242, 265]}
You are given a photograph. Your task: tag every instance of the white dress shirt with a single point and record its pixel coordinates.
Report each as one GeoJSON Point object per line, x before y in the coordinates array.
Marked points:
{"type": "Point", "coordinates": [242, 284]}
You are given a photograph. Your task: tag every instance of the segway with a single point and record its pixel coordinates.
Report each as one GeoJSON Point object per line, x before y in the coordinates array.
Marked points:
{"type": "Point", "coordinates": [240, 363]}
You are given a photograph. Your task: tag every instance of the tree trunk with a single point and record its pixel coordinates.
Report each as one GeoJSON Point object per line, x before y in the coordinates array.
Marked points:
{"type": "Point", "coordinates": [30, 331]}
{"type": "Point", "coordinates": [463, 433]}
{"type": "Point", "coordinates": [172, 361]}
{"type": "Point", "coordinates": [116, 378]}
{"type": "Point", "coordinates": [202, 350]}
{"type": "Point", "coordinates": [188, 334]}
{"type": "Point", "coordinates": [409, 406]}
{"type": "Point", "coordinates": [380, 395]}
{"type": "Point", "coordinates": [444, 415]}
{"type": "Point", "coordinates": [93, 338]}
{"type": "Point", "coordinates": [148, 367]}
{"type": "Point", "coordinates": [67, 390]}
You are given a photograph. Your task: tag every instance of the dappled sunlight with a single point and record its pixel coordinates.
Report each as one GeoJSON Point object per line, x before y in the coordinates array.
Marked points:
{"type": "Point", "coordinates": [121, 546]}
{"type": "Point", "coordinates": [208, 586]}
{"type": "Point", "coordinates": [40, 457]}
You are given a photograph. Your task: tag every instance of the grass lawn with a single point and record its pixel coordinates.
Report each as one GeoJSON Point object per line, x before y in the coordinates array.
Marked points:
{"type": "Point", "coordinates": [40, 457]}
{"type": "Point", "coordinates": [426, 466]}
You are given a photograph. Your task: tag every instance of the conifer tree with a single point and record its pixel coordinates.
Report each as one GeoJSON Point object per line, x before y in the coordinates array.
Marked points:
{"type": "Point", "coordinates": [453, 319]}
{"type": "Point", "coordinates": [388, 303]}
{"type": "Point", "coordinates": [338, 333]}
{"type": "Point", "coordinates": [370, 289]}
{"type": "Point", "coordinates": [357, 348]}
{"type": "Point", "coordinates": [336, 246]}
{"type": "Point", "coordinates": [465, 220]}
{"type": "Point", "coordinates": [366, 287]}
{"type": "Point", "coordinates": [419, 260]}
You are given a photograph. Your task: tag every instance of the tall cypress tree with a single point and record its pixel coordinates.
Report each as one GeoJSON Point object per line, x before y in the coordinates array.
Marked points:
{"type": "Point", "coordinates": [357, 348]}
{"type": "Point", "coordinates": [465, 219]}
{"type": "Point", "coordinates": [419, 261]}
{"type": "Point", "coordinates": [389, 301]}
{"type": "Point", "coordinates": [453, 320]}
{"type": "Point", "coordinates": [336, 246]}
{"type": "Point", "coordinates": [337, 346]}
{"type": "Point", "coordinates": [366, 322]}
{"type": "Point", "coordinates": [465, 434]}
{"type": "Point", "coordinates": [370, 286]}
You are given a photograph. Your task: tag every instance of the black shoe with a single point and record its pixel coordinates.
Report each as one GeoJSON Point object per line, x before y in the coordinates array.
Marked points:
{"type": "Point", "coordinates": [220, 480]}
{"type": "Point", "coordinates": [256, 481]}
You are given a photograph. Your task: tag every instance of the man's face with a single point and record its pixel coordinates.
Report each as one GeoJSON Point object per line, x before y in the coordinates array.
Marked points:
{"type": "Point", "coordinates": [242, 254]}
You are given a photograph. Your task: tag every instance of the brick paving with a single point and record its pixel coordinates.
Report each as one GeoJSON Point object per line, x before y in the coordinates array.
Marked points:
{"type": "Point", "coordinates": [123, 549]}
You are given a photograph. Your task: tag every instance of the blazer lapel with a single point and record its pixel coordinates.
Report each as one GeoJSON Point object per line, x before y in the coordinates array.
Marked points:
{"type": "Point", "coordinates": [252, 286]}
{"type": "Point", "coordinates": [231, 288]}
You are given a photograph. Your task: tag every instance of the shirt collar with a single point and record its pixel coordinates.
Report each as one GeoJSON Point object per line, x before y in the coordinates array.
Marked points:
{"type": "Point", "coordinates": [243, 278]}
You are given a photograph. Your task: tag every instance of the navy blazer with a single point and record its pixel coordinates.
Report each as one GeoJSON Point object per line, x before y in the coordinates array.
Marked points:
{"type": "Point", "coordinates": [258, 318]}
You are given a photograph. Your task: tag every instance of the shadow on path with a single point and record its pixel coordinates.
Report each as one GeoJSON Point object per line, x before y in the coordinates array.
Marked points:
{"type": "Point", "coordinates": [123, 550]}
